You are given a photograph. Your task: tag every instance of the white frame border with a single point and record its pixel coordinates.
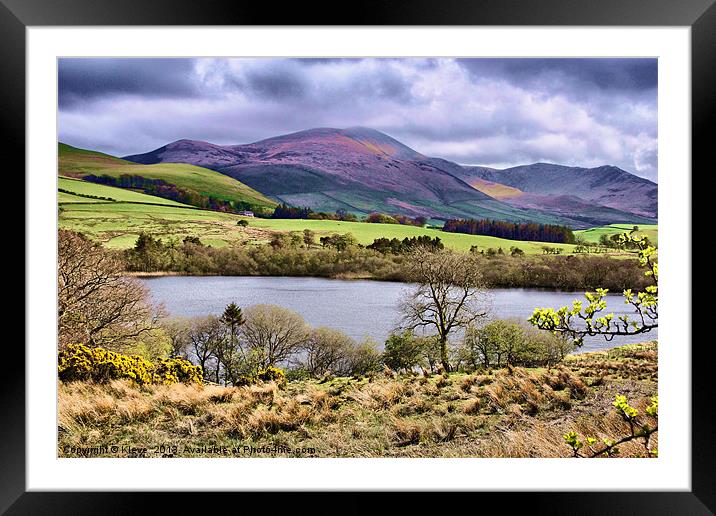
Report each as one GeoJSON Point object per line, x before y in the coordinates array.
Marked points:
{"type": "Point", "coordinates": [672, 470]}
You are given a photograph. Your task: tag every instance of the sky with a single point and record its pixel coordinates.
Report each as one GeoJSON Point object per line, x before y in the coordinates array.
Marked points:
{"type": "Point", "coordinates": [491, 112]}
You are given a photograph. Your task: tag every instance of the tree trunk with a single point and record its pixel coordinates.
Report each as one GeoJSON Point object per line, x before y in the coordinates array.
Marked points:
{"type": "Point", "coordinates": [444, 354]}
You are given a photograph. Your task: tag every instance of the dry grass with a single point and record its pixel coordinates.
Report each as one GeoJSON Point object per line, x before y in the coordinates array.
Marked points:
{"type": "Point", "coordinates": [544, 438]}
{"type": "Point", "coordinates": [634, 361]}
{"type": "Point", "coordinates": [517, 413]}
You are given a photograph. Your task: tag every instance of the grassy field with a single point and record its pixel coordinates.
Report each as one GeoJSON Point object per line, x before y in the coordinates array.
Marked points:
{"type": "Point", "coordinates": [63, 197]}
{"type": "Point", "coordinates": [84, 192]}
{"type": "Point", "coordinates": [523, 413]}
{"type": "Point", "coordinates": [594, 234]}
{"type": "Point", "coordinates": [118, 224]}
{"type": "Point", "coordinates": [79, 163]}
{"type": "Point", "coordinates": [366, 233]}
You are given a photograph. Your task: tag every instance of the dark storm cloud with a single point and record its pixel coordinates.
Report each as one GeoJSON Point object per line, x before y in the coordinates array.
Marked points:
{"type": "Point", "coordinates": [86, 79]}
{"type": "Point", "coordinates": [279, 82]}
{"type": "Point", "coordinates": [295, 79]}
{"type": "Point", "coordinates": [273, 85]}
{"type": "Point", "coordinates": [495, 112]}
{"type": "Point", "coordinates": [623, 75]}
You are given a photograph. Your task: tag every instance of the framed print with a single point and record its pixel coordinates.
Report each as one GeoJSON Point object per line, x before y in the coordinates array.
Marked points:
{"type": "Point", "coordinates": [416, 250]}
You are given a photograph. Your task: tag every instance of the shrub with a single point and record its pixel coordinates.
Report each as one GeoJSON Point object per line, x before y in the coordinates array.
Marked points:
{"type": "Point", "coordinates": [272, 374]}
{"type": "Point", "coordinates": [406, 432]}
{"type": "Point", "coordinates": [384, 259]}
{"type": "Point", "coordinates": [402, 351]}
{"type": "Point", "coordinates": [380, 218]}
{"type": "Point", "coordinates": [593, 320]}
{"type": "Point", "coordinates": [362, 359]}
{"type": "Point", "coordinates": [78, 362]}
{"type": "Point", "coordinates": [326, 351]}
{"type": "Point", "coordinates": [504, 342]}
{"type": "Point", "coordinates": [635, 428]}
{"type": "Point", "coordinates": [395, 246]}
{"type": "Point", "coordinates": [297, 374]}
{"type": "Point", "coordinates": [175, 370]}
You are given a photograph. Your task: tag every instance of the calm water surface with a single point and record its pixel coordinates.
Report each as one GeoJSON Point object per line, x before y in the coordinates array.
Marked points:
{"type": "Point", "coordinates": [359, 308]}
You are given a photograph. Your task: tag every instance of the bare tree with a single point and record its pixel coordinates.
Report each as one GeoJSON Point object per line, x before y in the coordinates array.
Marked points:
{"type": "Point", "coordinates": [177, 329]}
{"type": "Point", "coordinates": [203, 336]}
{"type": "Point", "coordinates": [361, 359]}
{"type": "Point", "coordinates": [96, 304]}
{"type": "Point", "coordinates": [481, 350]}
{"type": "Point", "coordinates": [275, 333]}
{"type": "Point", "coordinates": [325, 349]}
{"type": "Point", "coordinates": [450, 295]}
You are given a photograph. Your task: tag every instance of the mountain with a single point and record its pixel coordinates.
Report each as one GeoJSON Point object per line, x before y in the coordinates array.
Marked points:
{"type": "Point", "coordinates": [576, 209]}
{"type": "Point", "coordinates": [607, 186]}
{"type": "Point", "coordinates": [357, 169]}
{"type": "Point", "coordinates": [363, 170]}
{"type": "Point", "coordinates": [78, 163]}
{"type": "Point", "coordinates": [201, 154]}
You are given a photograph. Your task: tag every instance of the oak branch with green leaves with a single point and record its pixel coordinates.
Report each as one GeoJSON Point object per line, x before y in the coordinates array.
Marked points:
{"type": "Point", "coordinates": [580, 320]}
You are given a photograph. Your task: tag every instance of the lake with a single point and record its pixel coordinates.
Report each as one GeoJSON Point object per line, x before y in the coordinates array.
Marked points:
{"type": "Point", "coordinates": [359, 308]}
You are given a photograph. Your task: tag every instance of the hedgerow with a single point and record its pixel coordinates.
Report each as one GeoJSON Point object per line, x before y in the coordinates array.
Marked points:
{"type": "Point", "coordinates": [340, 256]}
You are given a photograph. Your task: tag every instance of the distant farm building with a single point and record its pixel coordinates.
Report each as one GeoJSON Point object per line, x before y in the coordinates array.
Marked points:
{"type": "Point", "coordinates": [247, 213]}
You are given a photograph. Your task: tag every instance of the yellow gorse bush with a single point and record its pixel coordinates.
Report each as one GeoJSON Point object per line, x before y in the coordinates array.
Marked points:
{"type": "Point", "coordinates": [78, 362]}
{"type": "Point", "coordinates": [175, 370]}
{"type": "Point", "coordinates": [272, 374]}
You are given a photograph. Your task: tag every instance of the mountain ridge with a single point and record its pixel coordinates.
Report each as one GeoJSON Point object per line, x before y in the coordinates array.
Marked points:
{"type": "Point", "coordinates": [362, 170]}
{"type": "Point", "coordinates": [606, 185]}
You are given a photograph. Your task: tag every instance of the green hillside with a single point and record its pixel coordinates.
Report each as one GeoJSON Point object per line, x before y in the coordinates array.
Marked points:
{"type": "Point", "coordinates": [117, 225]}
{"type": "Point", "coordinates": [78, 163]}
{"type": "Point", "coordinates": [65, 198]}
{"type": "Point", "coordinates": [594, 234]}
{"type": "Point", "coordinates": [77, 191]}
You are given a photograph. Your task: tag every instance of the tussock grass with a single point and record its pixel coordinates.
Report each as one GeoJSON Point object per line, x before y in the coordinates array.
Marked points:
{"type": "Point", "coordinates": [517, 413]}
{"type": "Point", "coordinates": [406, 431]}
{"type": "Point", "coordinates": [544, 438]}
{"type": "Point", "coordinates": [625, 362]}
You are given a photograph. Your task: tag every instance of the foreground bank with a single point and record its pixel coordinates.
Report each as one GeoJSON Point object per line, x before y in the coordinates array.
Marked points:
{"type": "Point", "coordinates": [514, 412]}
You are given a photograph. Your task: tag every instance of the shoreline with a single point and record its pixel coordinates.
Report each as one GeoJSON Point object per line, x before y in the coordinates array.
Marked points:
{"type": "Point", "coordinates": [163, 274]}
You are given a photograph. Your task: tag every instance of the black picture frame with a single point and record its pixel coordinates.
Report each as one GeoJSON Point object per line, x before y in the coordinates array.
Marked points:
{"type": "Point", "coordinates": [17, 15]}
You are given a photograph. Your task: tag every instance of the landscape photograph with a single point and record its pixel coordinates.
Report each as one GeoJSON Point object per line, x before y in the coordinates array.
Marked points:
{"type": "Point", "coordinates": [357, 257]}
